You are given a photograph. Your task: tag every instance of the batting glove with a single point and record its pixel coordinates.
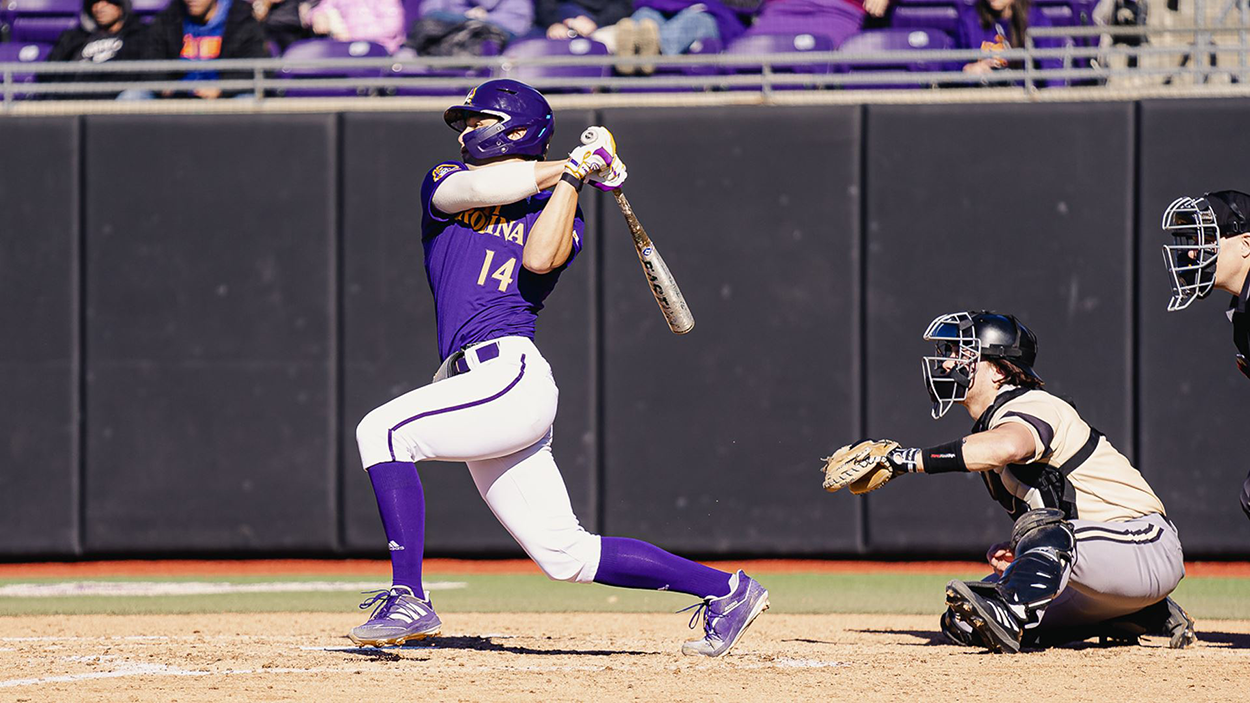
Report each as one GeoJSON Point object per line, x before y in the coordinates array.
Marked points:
{"type": "Point", "coordinates": [587, 159]}
{"type": "Point", "coordinates": [610, 178]}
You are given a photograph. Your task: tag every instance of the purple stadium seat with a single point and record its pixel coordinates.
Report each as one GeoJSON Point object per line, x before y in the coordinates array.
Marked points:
{"type": "Point", "coordinates": [884, 40]}
{"type": "Point", "coordinates": [942, 15]}
{"type": "Point", "coordinates": [398, 71]}
{"type": "Point", "coordinates": [330, 49]}
{"type": "Point", "coordinates": [22, 52]}
{"type": "Point", "coordinates": [13, 52]}
{"type": "Point", "coordinates": [1080, 13]}
{"type": "Point", "coordinates": [782, 43]}
{"type": "Point", "coordinates": [41, 21]}
{"type": "Point", "coordinates": [522, 49]}
{"type": "Point", "coordinates": [146, 8]}
{"type": "Point", "coordinates": [412, 10]}
{"type": "Point", "coordinates": [705, 47]}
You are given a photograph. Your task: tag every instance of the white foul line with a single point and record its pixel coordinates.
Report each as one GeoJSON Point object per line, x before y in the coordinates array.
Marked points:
{"type": "Point", "coordinates": [194, 588]}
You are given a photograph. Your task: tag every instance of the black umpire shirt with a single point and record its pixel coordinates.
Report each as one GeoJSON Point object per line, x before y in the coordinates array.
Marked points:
{"type": "Point", "coordinates": [1239, 314]}
{"type": "Point", "coordinates": [1240, 317]}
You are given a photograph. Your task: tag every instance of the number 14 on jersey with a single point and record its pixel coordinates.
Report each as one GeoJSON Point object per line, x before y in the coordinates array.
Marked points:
{"type": "Point", "coordinates": [503, 274]}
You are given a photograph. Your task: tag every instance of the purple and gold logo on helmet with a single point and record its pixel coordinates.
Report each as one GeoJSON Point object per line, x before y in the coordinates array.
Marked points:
{"type": "Point", "coordinates": [468, 99]}
{"type": "Point", "coordinates": [440, 171]}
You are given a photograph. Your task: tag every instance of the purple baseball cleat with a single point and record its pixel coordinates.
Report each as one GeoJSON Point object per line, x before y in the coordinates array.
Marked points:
{"type": "Point", "coordinates": [398, 618]}
{"type": "Point", "coordinates": [727, 617]}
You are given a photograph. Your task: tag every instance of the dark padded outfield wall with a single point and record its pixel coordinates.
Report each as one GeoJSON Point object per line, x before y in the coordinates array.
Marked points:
{"type": "Point", "coordinates": [38, 336]}
{"type": "Point", "coordinates": [1195, 404]}
{"type": "Point", "coordinates": [389, 336]}
{"type": "Point", "coordinates": [712, 438]}
{"type": "Point", "coordinates": [210, 404]}
{"type": "Point", "coordinates": [1017, 208]}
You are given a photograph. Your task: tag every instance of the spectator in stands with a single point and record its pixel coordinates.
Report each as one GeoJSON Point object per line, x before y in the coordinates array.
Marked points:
{"type": "Point", "coordinates": [464, 27]}
{"type": "Point", "coordinates": [204, 30]}
{"type": "Point", "coordinates": [281, 21]}
{"type": "Point", "coordinates": [106, 32]}
{"type": "Point", "coordinates": [1000, 25]}
{"type": "Point", "coordinates": [568, 19]}
{"type": "Point", "coordinates": [516, 17]}
{"type": "Point", "coordinates": [379, 21]}
{"type": "Point", "coordinates": [836, 19]}
{"type": "Point", "coordinates": [672, 27]}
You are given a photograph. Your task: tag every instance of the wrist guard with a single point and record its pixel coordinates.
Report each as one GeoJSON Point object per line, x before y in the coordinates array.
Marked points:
{"type": "Point", "coordinates": [945, 458]}
{"type": "Point", "coordinates": [573, 180]}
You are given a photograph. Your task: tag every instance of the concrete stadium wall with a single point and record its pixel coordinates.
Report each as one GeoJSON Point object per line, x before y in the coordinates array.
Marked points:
{"type": "Point", "coordinates": [197, 310]}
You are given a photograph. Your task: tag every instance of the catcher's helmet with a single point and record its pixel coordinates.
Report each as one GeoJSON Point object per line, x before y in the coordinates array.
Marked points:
{"type": "Point", "coordinates": [1196, 225]}
{"type": "Point", "coordinates": [517, 106]}
{"type": "Point", "coordinates": [965, 338]}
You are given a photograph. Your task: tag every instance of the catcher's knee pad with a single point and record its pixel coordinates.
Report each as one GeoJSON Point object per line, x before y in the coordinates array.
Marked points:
{"type": "Point", "coordinates": [1044, 546]}
{"type": "Point", "coordinates": [1039, 523]}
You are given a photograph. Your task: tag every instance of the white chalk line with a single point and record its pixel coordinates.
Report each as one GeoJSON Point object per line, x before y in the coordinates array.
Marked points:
{"type": "Point", "coordinates": [194, 588]}
{"type": "Point", "coordinates": [126, 670]}
{"type": "Point", "coordinates": [74, 638]}
{"type": "Point", "coordinates": [159, 670]}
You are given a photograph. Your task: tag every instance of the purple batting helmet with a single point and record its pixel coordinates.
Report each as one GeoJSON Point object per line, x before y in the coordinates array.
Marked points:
{"type": "Point", "coordinates": [517, 106]}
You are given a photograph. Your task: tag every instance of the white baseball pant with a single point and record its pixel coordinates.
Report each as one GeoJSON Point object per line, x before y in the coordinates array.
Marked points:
{"type": "Point", "coordinates": [496, 417]}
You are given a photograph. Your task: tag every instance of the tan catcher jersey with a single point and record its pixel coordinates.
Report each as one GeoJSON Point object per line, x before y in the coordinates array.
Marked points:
{"type": "Point", "coordinates": [1104, 486]}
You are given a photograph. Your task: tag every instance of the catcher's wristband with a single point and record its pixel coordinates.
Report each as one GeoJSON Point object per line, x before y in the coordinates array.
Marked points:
{"type": "Point", "coordinates": [904, 461]}
{"type": "Point", "coordinates": [945, 458]}
{"type": "Point", "coordinates": [572, 180]}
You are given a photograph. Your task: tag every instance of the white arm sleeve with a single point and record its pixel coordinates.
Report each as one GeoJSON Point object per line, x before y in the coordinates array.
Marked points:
{"type": "Point", "coordinates": [485, 187]}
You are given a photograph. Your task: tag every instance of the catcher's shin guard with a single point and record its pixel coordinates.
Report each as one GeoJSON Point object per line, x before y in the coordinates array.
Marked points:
{"type": "Point", "coordinates": [1044, 547]}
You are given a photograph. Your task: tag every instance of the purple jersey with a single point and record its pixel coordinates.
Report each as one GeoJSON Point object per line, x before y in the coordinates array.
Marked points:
{"type": "Point", "coordinates": [473, 260]}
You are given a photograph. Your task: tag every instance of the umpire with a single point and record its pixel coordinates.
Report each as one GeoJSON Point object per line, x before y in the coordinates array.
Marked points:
{"type": "Point", "coordinates": [1211, 249]}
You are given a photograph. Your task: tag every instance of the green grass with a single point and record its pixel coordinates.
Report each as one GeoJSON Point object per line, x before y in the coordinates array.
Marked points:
{"type": "Point", "coordinates": [1210, 598]}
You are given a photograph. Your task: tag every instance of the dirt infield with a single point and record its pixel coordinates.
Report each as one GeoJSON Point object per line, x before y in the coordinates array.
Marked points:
{"type": "Point", "coordinates": [582, 657]}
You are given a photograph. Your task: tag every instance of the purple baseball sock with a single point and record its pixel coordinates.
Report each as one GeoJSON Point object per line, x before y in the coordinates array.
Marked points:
{"type": "Point", "coordinates": [401, 501]}
{"type": "Point", "coordinates": [631, 563]}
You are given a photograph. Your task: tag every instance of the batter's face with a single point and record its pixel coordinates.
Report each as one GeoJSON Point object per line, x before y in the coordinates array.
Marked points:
{"type": "Point", "coordinates": [1000, 6]}
{"type": "Point", "coordinates": [480, 122]}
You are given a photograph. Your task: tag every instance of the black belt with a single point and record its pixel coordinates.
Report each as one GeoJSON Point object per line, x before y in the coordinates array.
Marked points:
{"type": "Point", "coordinates": [484, 353]}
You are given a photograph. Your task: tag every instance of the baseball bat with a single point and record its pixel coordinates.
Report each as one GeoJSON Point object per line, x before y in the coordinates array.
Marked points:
{"type": "Point", "coordinates": [663, 286]}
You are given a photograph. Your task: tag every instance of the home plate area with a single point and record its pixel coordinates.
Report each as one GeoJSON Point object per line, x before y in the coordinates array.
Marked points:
{"type": "Point", "coordinates": [577, 656]}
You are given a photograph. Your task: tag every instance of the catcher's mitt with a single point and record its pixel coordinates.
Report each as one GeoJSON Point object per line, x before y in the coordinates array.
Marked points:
{"type": "Point", "coordinates": [864, 467]}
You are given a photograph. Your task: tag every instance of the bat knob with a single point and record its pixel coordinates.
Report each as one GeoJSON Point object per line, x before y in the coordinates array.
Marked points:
{"type": "Point", "coordinates": [589, 135]}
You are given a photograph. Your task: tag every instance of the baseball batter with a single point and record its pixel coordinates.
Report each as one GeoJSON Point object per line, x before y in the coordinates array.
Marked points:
{"type": "Point", "coordinates": [1092, 551]}
{"type": "Point", "coordinates": [1211, 249]}
{"type": "Point", "coordinates": [498, 227]}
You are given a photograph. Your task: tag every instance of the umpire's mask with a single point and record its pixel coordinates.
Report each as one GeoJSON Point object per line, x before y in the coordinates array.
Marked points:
{"type": "Point", "coordinates": [1196, 245]}
{"type": "Point", "coordinates": [948, 375]}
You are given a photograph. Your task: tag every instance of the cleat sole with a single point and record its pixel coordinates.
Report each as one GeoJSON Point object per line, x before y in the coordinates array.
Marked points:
{"type": "Point", "coordinates": [960, 599]}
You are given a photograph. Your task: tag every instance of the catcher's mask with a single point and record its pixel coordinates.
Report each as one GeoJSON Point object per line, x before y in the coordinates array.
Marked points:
{"type": "Point", "coordinates": [948, 376]}
{"type": "Point", "coordinates": [962, 339]}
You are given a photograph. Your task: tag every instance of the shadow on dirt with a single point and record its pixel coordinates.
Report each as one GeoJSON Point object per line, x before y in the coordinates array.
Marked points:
{"type": "Point", "coordinates": [478, 644]}
{"type": "Point", "coordinates": [1224, 640]}
{"type": "Point", "coordinates": [928, 637]}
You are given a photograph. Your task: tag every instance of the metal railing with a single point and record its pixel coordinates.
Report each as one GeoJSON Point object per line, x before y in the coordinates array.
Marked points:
{"type": "Point", "coordinates": [1084, 61]}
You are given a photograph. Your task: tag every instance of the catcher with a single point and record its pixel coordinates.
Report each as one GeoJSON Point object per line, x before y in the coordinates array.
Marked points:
{"type": "Point", "coordinates": [1092, 551]}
